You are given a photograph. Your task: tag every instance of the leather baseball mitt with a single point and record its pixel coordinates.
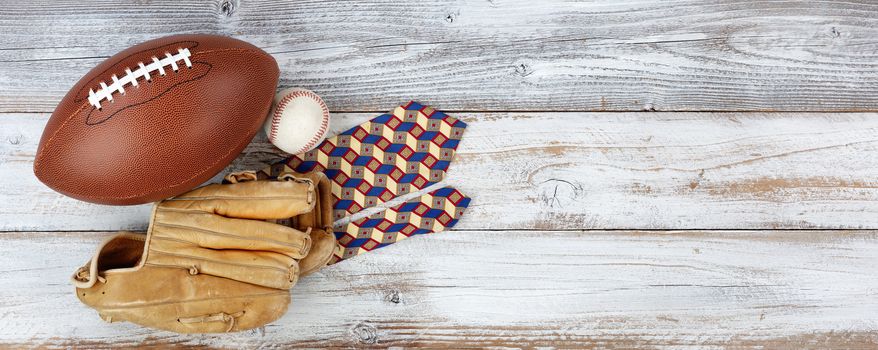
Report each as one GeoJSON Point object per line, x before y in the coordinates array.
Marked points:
{"type": "Point", "coordinates": [210, 261]}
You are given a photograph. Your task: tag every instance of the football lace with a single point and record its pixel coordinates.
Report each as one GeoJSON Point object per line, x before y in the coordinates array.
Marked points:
{"type": "Point", "coordinates": [105, 92]}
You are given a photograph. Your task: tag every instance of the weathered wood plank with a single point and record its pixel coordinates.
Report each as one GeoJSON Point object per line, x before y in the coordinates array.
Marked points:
{"type": "Point", "coordinates": [485, 55]}
{"type": "Point", "coordinates": [787, 289]}
{"type": "Point", "coordinates": [557, 171]}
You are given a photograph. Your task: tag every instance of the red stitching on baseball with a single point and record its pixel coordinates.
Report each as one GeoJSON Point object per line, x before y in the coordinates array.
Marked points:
{"type": "Point", "coordinates": [275, 119]}
{"type": "Point", "coordinates": [324, 123]}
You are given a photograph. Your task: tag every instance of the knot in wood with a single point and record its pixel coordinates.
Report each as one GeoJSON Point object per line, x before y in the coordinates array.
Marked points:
{"type": "Point", "coordinates": [557, 193]}
{"type": "Point", "coordinates": [366, 333]}
{"type": "Point", "coordinates": [228, 7]}
{"type": "Point", "coordinates": [14, 140]}
{"type": "Point", "coordinates": [392, 296]}
{"type": "Point", "coordinates": [523, 69]}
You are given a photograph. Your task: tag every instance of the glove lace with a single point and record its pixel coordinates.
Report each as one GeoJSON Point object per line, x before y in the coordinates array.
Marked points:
{"type": "Point", "coordinates": [218, 317]}
{"type": "Point", "coordinates": [83, 275]}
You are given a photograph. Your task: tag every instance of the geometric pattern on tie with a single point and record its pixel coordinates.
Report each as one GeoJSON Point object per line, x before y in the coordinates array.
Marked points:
{"type": "Point", "coordinates": [430, 213]}
{"type": "Point", "coordinates": [391, 155]}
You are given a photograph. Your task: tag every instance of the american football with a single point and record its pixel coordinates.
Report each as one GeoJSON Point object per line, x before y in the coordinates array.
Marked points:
{"type": "Point", "coordinates": [156, 119]}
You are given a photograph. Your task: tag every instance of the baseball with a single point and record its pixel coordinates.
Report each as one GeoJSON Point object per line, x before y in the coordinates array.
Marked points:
{"type": "Point", "coordinates": [298, 121]}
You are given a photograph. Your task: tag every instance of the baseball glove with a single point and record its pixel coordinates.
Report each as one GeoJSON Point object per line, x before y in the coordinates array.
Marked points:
{"type": "Point", "coordinates": [210, 262]}
{"type": "Point", "coordinates": [318, 221]}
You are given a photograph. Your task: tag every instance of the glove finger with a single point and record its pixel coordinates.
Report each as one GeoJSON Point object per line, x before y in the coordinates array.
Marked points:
{"type": "Point", "coordinates": [257, 267]}
{"type": "Point", "coordinates": [218, 232]}
{"type": "Point", "coordinates": [249, 200]}
{"type": "Point", "coordinates": [324, 244]}
{"type": "Point", "coordinates": [321, 216]}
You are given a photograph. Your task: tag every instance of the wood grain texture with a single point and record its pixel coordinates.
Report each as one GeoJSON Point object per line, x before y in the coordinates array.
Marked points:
{"type": "Point", "coordinates": [789, 289]}
{"type": "Point", "coordinates": [499, 55]}
{"type": "Point", "coordinates": [561, 146]}
{"type": "Point", "coordinates": [559, 171]}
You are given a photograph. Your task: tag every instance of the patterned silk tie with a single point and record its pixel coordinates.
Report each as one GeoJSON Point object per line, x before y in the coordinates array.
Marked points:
{"type": "Point", "coordinates": [393, 154]}
{"type": "Point", "coordinates": [430, 213]}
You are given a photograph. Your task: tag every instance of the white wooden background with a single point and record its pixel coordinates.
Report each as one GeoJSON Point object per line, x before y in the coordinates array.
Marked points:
{"type": "Point", "coordinates": [653, 174]}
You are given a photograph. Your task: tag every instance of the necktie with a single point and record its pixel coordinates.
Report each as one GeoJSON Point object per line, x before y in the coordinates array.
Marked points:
{"type": "Point", "coordinates": [430, 213]}
{"type": "Point", "coordinates": [393, 154]}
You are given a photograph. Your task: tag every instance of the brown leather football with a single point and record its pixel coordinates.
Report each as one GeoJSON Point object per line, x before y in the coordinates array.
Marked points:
{"type": "Point", "coordinates": [157, 119]}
